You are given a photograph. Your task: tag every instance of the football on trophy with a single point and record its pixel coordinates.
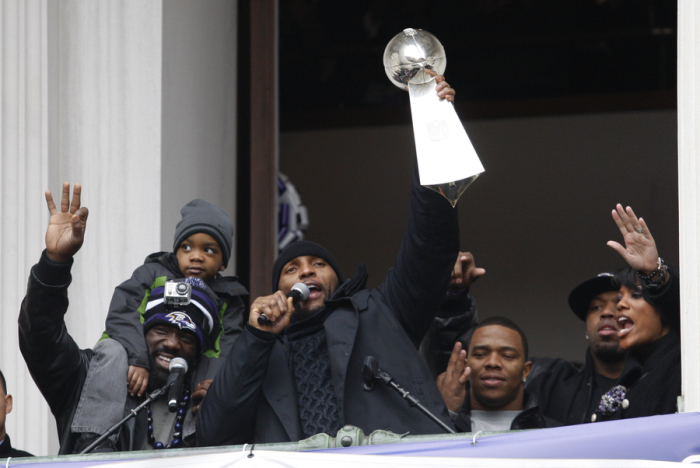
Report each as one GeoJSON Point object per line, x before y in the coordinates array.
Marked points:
{"type": "Point", "coordinates": [409, 54]}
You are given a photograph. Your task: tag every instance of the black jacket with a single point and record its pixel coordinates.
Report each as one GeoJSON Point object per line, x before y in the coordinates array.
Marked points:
{"type": "Point", "coordinates": [126, 309]}
{"type": "Point", "coordinates": [653, 381]}
{"type": "Point", "coordinates": [454, 322]}
{"type": "Point", "coordinates": [529, 418]}
{"type": "Point", "coordinates": [564, 391]}
{"type": "Point", "coordinates": [253, 397]}
{"type": "Point", "coordinates": [55, 362]}
{"type": "Point", "coordinates": [652, 374]}
{"type": "Point", "coordinates": [7, 451]}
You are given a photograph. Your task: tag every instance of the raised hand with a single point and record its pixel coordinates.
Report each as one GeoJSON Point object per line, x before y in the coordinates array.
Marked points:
{"type": "Point", "coordinates": [453, 382]}
{"type": "Point", "coordinates": [465, 272]}
{"type": "Point", "coordinates": [278, 308]}
{"type": "Point", "coordinates": [66, 230]}
{"type": "Point", "coordinates": [640, 249]}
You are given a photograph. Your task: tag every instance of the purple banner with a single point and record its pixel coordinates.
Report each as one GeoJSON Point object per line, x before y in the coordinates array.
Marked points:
{"type": "Point", "coordinates": [671, 437]}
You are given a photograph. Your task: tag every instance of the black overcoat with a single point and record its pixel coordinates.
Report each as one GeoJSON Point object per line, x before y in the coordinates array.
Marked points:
{"type": "Point", "coordinates": [252, 398]}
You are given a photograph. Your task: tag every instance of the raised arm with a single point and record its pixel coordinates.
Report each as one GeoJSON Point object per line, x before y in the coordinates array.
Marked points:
{"type": "Point", "coordinates": [53, 358]}
{"type": "Point", "coordinates": [640, 253]}
{"type": "Point", "coordinates": [416, 285]}
{"type": "Point", "coordinates": [456, 316]}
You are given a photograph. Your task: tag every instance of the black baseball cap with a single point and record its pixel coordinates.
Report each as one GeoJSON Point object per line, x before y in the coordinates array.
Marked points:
{"type": "Point", "coordinates": [582, 295]}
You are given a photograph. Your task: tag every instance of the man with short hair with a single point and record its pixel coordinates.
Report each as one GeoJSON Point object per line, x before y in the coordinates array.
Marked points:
{"type": "Point", "coordinates": [571, 395]}
{"type": "Point", "coordinates": [6, 449]}
{"type": "Point", "coordinates": [301, 373]}
{"type": "Point", "coordinates": [497, 367]}
{"type": "Point", "coordinates": [60, 368]}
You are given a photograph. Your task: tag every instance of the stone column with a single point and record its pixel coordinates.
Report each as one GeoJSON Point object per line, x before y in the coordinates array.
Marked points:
{"type": "Point", "coordinates": [81, 102]}
{"type": "Point", "coordinates": [107, 133]}
{"type": "Point", "coordinates": [689, 195]}
{"type": "Point", "coordinates": [23, 174]}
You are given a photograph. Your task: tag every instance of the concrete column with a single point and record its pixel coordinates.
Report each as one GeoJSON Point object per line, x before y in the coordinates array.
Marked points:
{"type": "Point", "coordinates": [23, 172]}
{"type": "Point", "coordinates": [81, 101]}
{"type": "Point", "coordinates": [689, 195]}
{"type": "Point", "coordinates": [107, 134]}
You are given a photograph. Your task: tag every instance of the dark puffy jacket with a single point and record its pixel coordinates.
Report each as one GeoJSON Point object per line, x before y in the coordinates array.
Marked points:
{"type": "Point", "coordinates": [127, 306]}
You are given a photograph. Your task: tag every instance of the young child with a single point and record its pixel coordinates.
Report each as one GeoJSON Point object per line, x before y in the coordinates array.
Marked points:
{"type": "Point", "coordinates": [202, 249]}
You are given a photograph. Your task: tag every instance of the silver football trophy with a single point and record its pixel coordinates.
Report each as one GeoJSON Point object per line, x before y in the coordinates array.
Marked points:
{"type": "Point", "coordinates": [447, 162]}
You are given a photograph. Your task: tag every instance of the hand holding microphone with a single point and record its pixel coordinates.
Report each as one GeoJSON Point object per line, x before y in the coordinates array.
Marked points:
{"type": "Point", "coordinates": [299, 293]}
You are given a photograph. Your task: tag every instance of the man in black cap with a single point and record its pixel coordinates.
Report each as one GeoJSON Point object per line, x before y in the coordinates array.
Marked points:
{"type": "Point", "coordinates": [60, 368]}
{"type": "Point", "coordinates": [301, 373]}
{"type": "Point", "coordinates": [572, 395]}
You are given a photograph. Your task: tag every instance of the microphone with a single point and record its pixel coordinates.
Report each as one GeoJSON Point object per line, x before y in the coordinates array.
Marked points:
{"type": "Point", "coordinates": [178, 369]}
{"type": "Point", "coordinates": [371, 373]}
{"type": "Point", "coordinates": [299, 293]}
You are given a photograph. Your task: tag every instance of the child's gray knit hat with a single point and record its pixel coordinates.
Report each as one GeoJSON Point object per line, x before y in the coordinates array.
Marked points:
{"type": "Point", "coordinates": [201, 216]}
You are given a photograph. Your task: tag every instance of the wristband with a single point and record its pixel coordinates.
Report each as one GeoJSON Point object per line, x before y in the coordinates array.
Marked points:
{"type": "Point", "coordinates": [661, 270]}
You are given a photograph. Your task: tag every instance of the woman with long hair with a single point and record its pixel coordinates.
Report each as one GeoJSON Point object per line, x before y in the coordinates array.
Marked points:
{"type": "Point", "coordinates": [648, 315]}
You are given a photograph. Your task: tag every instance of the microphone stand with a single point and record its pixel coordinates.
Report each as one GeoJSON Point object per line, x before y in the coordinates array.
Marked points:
{"type": "Point", "coordinates": [132, 414]}
{"type": "Point", "coordinates": [371, 371]}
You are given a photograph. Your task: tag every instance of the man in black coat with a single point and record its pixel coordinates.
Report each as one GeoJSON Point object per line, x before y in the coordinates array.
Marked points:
{"type": "Point", "coordinates": [566, 393]}
{"type": "Point", "coordinates": [59, 367]}
{"type": "Point", "coordinates": [301, 373]}
{"type": "Point", "coordinates": [6, 449]}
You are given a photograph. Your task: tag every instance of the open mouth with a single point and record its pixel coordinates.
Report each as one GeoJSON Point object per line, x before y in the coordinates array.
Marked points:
{"type": "Point", "coordinates": [163, 360]}
{"type": "Point", "coordinates": [626, 325]}
{"type": "Point", "coordinates": [314, 290]}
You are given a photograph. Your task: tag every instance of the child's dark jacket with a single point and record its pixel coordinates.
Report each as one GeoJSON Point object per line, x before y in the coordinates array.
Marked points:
{"type": "Point", "coordinates": [125, 318]}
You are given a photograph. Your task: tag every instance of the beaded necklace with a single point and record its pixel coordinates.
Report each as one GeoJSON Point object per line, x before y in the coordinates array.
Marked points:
{"type": "Point", "coordinates": [179, 419]}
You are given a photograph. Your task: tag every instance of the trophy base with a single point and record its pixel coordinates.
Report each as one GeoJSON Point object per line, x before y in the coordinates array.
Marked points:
{"type": "Point", "coordinates": [453, 190]}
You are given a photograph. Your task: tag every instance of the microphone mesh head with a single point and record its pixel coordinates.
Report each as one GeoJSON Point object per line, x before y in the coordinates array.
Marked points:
{"type": "Point", "coordinates": [303, 290]}
{"type": "Point", "coordinates": [178, 363]}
